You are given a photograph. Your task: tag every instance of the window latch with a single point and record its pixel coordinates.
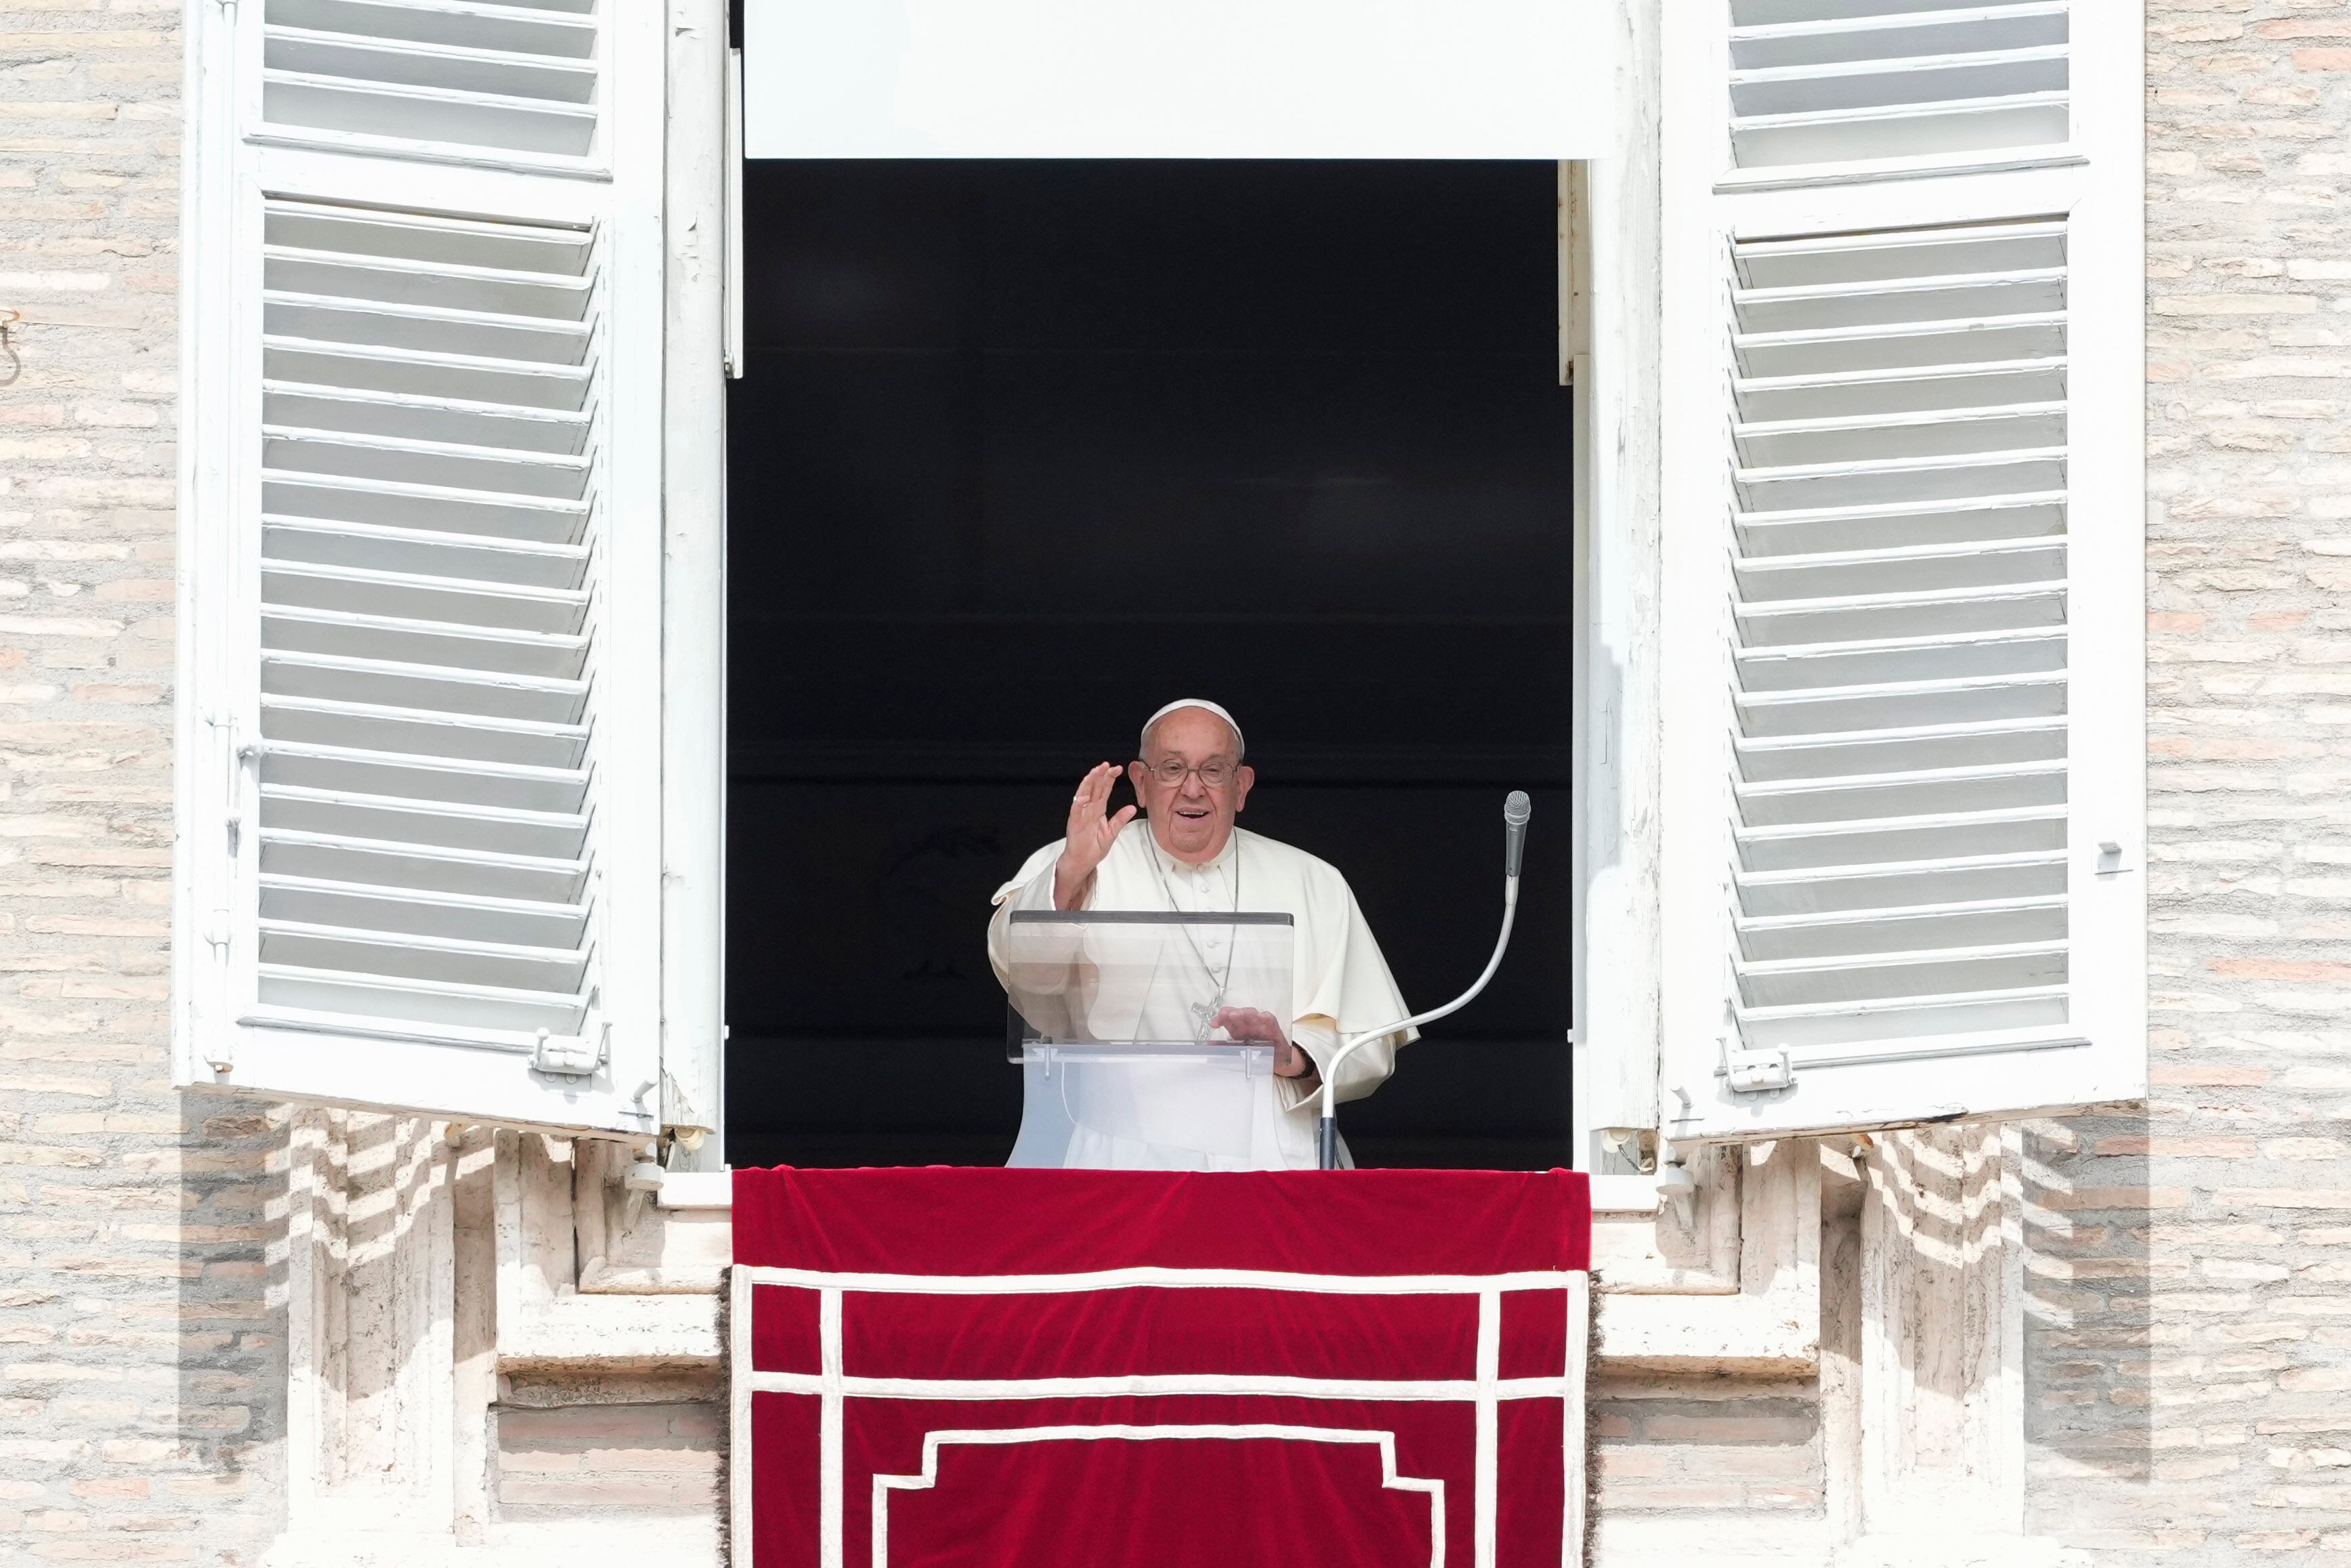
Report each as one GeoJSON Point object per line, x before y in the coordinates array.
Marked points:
{"type": "Point", "coordinates": [1754, 1072]}
{"type": "Point", "coordinates": [571, 1055]}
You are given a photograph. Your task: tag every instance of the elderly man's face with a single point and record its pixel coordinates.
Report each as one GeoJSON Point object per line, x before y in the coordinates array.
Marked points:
{"type": "Point", "coordinates": [1190, 818]}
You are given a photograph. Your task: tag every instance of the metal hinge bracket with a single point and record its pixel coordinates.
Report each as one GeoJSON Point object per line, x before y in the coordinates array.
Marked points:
{"type": "Point", "coordinates": [1754, 1072]}
{"type": "Point", "coordinates": [571, 1055]}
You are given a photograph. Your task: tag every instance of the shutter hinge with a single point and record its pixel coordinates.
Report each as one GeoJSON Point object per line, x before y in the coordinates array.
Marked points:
{"type": "Point", "coordinates": [571, 1055]}
{"type": "Point", "coordinates": [1754, 1072]}
{"type": "Point", "coordinates": [220, 1044]}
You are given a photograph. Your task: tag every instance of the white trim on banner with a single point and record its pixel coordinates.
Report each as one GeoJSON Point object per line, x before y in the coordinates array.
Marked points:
{"type": "Point", "coordinates": [834, 1386]}
{"type": "Point", "coordinates": [1002, 1436]}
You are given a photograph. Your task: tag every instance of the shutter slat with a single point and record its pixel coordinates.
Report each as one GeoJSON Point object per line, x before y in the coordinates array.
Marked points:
{"type": "Point", "coordinates": [1995, 1019]}
{"type": "Point", "coordinates": [451, 921]}
{"type": "Point", "coordinates": [508, 74]}
{"type": "Point", "coordinates": [335, 499]}
{"type": "Point", "coordinates": [1814, 530]}
{"type": "Point", "coordinates": [471, 781]}
{"type": "Point", "coordinates": [557, 477]}
{"type": "Point", "coordinates": [1922, 31]}
{"type": "Point", "coordinates": [485, 27]}
{"type": "Point", "coordinates": [1855, 845]}
{"type": "Point", "coordinates": [469, 247]}
{"type": "Point", "coordinates": [515, 383]}
{"type": "Point", "coordinates": [355, 728]}
{"type": "Point", "coordinates": [288, 811]}
{"type": "Point", "coordinates": [328, 999]}
{"type": "Point", "coordinates": [1903, 928]}
{"type": "Point", "coordinates": [1869, 617]}
{"type": "Point", "coordinates": [1860, 799]}
{"type": "Point", "coordinates": [1940, 975]}
{"type": "Point", "coordinates": [423, 552]}
{"type": "Point", "coordinates": [1788, 448]}
{"type": "Point", "coordinates": [1763, 759]}
{"type": "Point", "coordinates": [448, 421]}
{"type": "Point", "coordinates": [1903, 131]}
{"type": "Point", "coordinates": [336, 858]}
{"type": "Point", "coordinates": [426, 115]}
{"type": "Point", "coordinates": [407, 596]}
{"type": "Point", "coordinates": [1956, 879]}
{"type": "Point", "coordinates": [429, 280]}
{"type": "Point", "coordinates": [1878, 348]}
{"type": "Point", "coordinates": [1831, 393]}
{"type": "Point", "coordinates": [1856, 574]}
{"type": "Point", "coordinates": [425, 686]}
{"type": "Point", "coordinates": [390, 640]}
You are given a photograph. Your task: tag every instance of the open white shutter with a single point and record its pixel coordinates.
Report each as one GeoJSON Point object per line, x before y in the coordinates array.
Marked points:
{"type": "Point", "coordinates": [420, 746]}
{"type": "Point", "coordinates": [1902, 513]}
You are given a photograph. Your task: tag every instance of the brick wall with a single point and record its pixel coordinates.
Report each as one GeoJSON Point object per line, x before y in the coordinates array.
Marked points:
{"type": "Point", "coordinates": [137, 1351]}
{"type": "Point", "coordinates": [2190, 1317]}
{"type": "Point", "coordinates": [1699, 1444]}
{"type": "Point", "coordinates": [633, 1450]}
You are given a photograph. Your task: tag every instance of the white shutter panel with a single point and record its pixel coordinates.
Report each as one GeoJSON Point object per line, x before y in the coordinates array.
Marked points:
{"type": "Point", "coordinates": [1902, 513]}
{"type": "Point", "coordinates": [421, 639]}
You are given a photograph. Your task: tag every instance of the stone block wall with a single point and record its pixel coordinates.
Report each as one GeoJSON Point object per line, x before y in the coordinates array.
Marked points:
{"type": "Point", "coordinates": [2189, 1306]}
{"type": "Point", "coordinates": [141, 1365]}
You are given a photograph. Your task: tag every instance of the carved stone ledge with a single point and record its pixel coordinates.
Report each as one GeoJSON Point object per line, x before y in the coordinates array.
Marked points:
{"type": "Point", "coordinates": [1753, 1313]}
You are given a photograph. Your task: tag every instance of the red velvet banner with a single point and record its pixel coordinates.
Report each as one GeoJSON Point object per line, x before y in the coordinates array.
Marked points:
{"type": "Point", "coordinates": [1107, 1369]}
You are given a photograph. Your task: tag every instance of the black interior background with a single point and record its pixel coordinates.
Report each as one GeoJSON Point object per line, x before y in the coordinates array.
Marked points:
{"type": "Point", "coordinates": [1026, 449]}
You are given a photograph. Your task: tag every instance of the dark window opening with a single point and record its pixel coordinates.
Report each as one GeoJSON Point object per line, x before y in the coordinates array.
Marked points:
{"type": "Point", "coordinates": [1027, 449]}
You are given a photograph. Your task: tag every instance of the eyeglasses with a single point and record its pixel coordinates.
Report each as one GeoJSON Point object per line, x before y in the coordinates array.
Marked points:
{"type": "Point", "coordinates": [1213, 775]}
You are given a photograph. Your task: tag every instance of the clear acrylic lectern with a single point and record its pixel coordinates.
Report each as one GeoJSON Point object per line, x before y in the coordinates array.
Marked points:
{"type": "Point", "coordinates": [1127, 1052]}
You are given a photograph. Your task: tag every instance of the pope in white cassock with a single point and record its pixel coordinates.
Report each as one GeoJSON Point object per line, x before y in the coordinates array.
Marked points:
{"type": "Point", "coordinates": [1185, 854]}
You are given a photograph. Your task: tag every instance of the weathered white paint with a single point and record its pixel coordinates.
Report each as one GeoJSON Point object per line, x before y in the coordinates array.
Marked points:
{"type": "Point", "coordinates": [1612, 356]}
{"type": "Point", "coordinates": [693, 578]}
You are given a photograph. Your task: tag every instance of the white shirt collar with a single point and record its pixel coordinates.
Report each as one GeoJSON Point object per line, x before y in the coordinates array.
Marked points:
{"type": "Point", "coordinates": [1223, 860]}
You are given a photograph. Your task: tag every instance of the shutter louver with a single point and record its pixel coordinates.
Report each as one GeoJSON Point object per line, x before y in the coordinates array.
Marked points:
{"type": "Point", "coordinates": [1849, 81]}
{"type": "Point", "coordinates": [1904, 885]}
{"type": "Point", "coordinates": [426, 689]}
{"type": "Point", "coordinates": [462, 74]}
{"type": "Point", "coordinates": [429, 551]}
{"type": "Point", "coordinates": [1900, 604]}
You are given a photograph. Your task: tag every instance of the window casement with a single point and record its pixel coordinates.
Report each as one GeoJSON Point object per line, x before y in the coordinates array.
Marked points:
{"type": "Point", "coordinates": [1901, 512]}
{"type": "Point", "coordinates": [420, 652]}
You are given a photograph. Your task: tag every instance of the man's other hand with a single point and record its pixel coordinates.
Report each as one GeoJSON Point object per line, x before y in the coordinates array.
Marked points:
{"type": "Point", "coordinates": [1090, 836]}
{"type": "Point", "coordinates": [1260, 1028]}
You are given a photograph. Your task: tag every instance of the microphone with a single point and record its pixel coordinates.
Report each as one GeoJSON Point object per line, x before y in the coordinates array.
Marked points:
{"type": "Point", "coordinates": [1516, 809]}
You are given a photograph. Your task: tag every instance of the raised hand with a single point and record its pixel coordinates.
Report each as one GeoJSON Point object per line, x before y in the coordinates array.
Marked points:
{"type": "Point", "coordinates": [1088, 837]}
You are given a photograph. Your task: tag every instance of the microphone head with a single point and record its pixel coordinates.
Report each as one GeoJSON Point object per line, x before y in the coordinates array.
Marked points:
{"type": "Point", "coordinates": [1516, 808]}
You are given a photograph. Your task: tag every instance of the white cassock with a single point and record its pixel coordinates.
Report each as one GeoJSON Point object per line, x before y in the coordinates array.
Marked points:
{"type": "Point", "coordinates": [1340, 987]}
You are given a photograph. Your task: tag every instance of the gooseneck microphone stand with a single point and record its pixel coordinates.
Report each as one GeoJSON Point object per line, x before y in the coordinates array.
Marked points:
{"type": "Point", "coordinates": [1516, 809]}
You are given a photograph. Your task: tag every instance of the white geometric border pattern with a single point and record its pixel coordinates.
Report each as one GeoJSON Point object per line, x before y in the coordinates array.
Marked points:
{"type": "Point", "coordinates": [1000, 1436]}
{"type": "Point", "coordinates": [833, 1387]}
